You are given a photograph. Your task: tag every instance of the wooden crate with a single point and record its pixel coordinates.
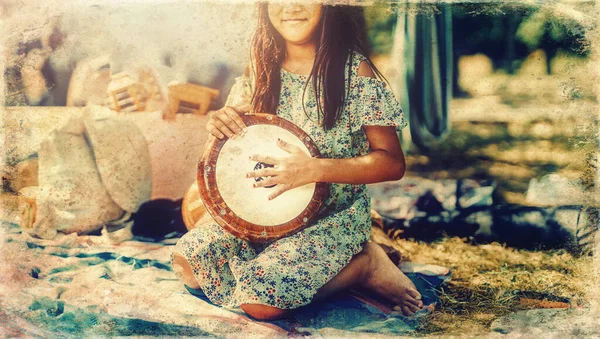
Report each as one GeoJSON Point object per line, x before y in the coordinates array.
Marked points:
{"type": "Point", "coordinates": [189, 98]}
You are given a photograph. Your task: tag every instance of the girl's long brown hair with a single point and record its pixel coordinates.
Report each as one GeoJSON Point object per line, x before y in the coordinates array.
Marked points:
{"type": "Point", "coordinates": [342, 29]}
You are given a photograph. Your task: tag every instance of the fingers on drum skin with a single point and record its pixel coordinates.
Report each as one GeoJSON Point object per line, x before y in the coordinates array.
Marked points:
{"type": "Point", "coordinates": [264, 158]}
{"type": "Point", "coordinates": [265, 183]}
{"type": "Point", "coordinates": [228, 120]}
{"type": "Point", "coordinates": [214, 131]}
{"type": "Point", "coordinates": [287, 146]}
{"type": "Point", "coordinates": [222, 128]}
{"type": "Point", "coordinates": [279, 191]}
{"type": "Point", "coordinates": [265, 172]}
{"type": "Point", "coordinates": [234, 115]}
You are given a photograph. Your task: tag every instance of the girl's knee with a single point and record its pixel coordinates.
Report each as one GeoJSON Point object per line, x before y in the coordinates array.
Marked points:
{"type": "Point", "coordinates": [263, 312]}
{"type": "Point", "coordinates": [210, 238]}
{"type": "Point", "coordinates": [184, 271]}
{"type": "Point", "coordinates": [198, 235]}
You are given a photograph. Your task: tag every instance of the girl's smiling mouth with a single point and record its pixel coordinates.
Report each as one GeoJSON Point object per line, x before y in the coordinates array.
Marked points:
{"type": "Point", "coordinates": [293, 21]}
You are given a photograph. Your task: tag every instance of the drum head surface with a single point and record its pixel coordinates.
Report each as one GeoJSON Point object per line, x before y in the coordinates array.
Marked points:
{"type": "Point", "coordinates": [252, 204]}
{"type": "Point", "coordinates": [231, 198]}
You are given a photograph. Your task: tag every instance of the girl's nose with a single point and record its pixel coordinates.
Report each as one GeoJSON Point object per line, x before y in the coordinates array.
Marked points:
{"type": "Point", "coordinates": [292, 7]}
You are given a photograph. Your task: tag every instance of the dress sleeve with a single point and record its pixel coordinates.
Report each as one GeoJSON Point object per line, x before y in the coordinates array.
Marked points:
{"type": "Point", "coordinates": [372, 103]}
{"type": "Point", "coordinates": [241, 92]}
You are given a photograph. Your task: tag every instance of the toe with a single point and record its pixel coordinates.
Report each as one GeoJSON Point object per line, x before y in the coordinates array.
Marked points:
{"type": "Point", "coordinates": [410, 300]}
{"type": "Point", "coordinates": [430, 307]}
{"type": "Point", "coordinates": [413, 308]}
{"type": "Point", "coordinates": [414, 293]}
{"type": "Point", "coordinates": [407, 311]}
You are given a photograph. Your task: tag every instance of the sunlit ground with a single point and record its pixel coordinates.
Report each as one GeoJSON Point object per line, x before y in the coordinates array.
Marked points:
{"type": "Point", "coordinates": [511, 129]}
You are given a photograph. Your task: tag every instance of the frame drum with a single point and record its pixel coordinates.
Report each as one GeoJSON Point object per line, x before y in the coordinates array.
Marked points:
{"type": "Point", "coordinates": [243, 210]}
{"type": "Point", "coordinates": [192, 208]}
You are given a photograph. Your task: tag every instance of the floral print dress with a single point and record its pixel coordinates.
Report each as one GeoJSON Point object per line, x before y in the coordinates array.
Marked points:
{"type": "Point", "coordinates": [288, 272]}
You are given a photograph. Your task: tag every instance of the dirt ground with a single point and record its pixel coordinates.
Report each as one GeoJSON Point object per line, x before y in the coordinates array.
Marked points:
{"type": "Point", "coordinates": [510, 128]}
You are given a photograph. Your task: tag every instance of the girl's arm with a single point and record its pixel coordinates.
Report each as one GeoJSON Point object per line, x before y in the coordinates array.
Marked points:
{"type": "Point", "coordinates": [385, 162]}
{"type": "Point", "coordinates": [226, 122]}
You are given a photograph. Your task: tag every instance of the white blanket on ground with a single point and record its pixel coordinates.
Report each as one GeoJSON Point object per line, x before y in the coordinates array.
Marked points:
{"type": "Point", "coordinates": [85, 286]}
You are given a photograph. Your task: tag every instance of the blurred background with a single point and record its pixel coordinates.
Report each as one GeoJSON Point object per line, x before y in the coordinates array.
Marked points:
{"type": "Point", "coordinates": [507, 94]}
{"type": "Point", "coordinates": [509, 87]}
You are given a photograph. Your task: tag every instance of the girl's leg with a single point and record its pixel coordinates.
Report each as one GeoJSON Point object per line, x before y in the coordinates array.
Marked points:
{"type": "Point", "coordinates": [184, 271]}
{"type": "Point", "coordinates": [373, 270]}
{"type": "Point", "coordinates": [200, 260]}
{"type": "Point", "coordinates": [349, 276]}
{"type": "Point", "coordinates": [370, 269]}
{"type": "Point", "coordinates": [353, 275]}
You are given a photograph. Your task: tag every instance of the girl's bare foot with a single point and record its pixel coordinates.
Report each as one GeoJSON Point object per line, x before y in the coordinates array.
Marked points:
{"type": "Point", "coordinates": [385, 279]}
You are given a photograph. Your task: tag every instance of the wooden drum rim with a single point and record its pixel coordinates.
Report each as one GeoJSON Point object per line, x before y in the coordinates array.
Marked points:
{"type": "Point", "coordinates": [224, 216]}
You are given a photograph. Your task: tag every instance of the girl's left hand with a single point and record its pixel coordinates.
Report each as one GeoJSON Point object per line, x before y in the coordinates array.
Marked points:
{"type": "Point", "coordinates": [289, 172]}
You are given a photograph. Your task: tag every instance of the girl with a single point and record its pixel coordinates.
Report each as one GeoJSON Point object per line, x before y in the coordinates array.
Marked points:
{"type": "Point", "coordinates": [310, 66]}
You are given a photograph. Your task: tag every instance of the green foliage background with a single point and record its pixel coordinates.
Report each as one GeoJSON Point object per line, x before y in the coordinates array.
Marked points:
{"type": "Point", "coordinates": [538, 25]}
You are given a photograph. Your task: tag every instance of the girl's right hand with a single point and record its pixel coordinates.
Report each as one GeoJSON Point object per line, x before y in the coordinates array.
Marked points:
{"type": "Point", "coordinates": [226, 122]}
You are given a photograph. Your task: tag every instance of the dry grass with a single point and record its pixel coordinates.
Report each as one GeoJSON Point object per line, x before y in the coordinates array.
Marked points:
{"type": "Point", "coordinates": [511, 129]}
{"type": "Point", "coordinates": [530, 86]}
{"type": "Point", "coordinates": [489, 280]}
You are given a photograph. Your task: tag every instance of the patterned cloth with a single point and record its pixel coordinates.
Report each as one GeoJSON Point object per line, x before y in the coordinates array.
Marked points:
{"type": "Point", "coordinates": [288, 272]}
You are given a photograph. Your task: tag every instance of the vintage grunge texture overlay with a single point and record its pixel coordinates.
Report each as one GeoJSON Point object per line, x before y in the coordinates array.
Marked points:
{"type": "Point", "coordinates": [23, 22]}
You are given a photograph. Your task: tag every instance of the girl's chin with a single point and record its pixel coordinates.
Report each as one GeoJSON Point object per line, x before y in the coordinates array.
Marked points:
{"type": "Point", "coordinates": [299, 41]}
{"type": "Point", "coordinates": [296, 37]}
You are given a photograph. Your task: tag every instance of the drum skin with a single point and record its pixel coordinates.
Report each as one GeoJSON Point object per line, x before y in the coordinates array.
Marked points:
{"type": "Point", "coordinates": [216, 199]}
